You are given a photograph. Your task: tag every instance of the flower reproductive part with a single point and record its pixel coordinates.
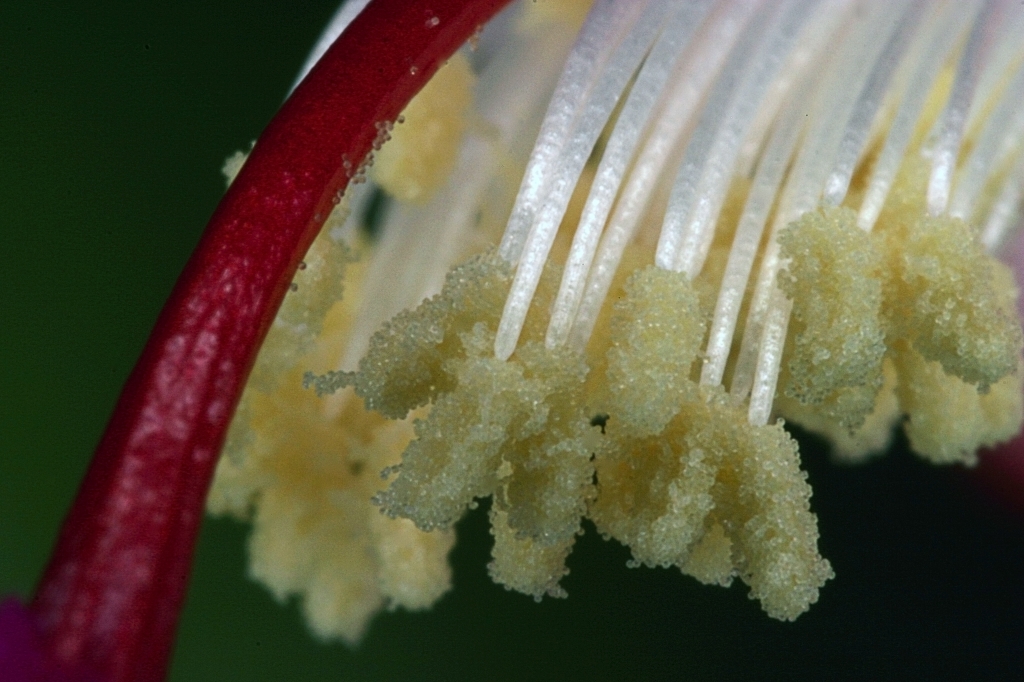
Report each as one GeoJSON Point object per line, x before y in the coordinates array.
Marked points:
{"type": "Point", "coordinates": [602, 258]}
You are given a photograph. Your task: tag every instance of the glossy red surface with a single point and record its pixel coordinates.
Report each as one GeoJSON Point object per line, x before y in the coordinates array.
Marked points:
{"type": "Point", "coordinates": [110, 597]}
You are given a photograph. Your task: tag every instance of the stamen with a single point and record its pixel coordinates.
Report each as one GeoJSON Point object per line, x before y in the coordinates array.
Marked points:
{"type": "Point", "coordinates": [851, 147]}
{"type": "Point", "coordinates": [764, 111]}
{"type": "Point", "coordinates": [618, 153]}
{"type": "Point", "coordinates": [835, 100]}
{"type": "Point", "coordinates": [949, 129]}
{"type": "Point", "coordinates": [930, 52]}
{"type": "Point", "coordinates": [1000, 135]}
{"type": "Point", "coordinates": [770, 172]}
{"type": "Point", "coordinates": [690, 82]}
{"type": "Point", "coordinates": [765, 186]}
{"type": "Point", "coordinates": [560, 183]}
{"type": "Point", "coordinates": [1005, 210]}
{"type": "Point", "coordinates": [700, 186]}
{"type": "Point", "coordinates": [893, 48]}
{"type": "Point", "coordinates": [601, 33]}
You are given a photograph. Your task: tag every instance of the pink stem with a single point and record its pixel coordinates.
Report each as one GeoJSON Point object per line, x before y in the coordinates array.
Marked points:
{"type": "Point", "coordinates": [109, 600]}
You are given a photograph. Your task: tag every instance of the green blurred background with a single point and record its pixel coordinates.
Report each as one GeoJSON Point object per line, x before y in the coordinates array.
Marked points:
{"type": "Point", "coordinates": [115, 118]}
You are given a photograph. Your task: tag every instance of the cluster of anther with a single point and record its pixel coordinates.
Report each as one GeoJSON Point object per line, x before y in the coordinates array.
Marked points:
{"type": "Point", "coordinates": [820, 252]}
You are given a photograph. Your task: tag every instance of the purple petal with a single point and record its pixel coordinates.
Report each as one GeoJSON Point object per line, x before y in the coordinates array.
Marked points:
{"type": "Point", "coordinates": [23, 656]}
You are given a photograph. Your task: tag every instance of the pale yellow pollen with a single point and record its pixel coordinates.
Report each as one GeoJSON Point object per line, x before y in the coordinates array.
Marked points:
{"type": "Point", "coordinates": [424, 144]}
{"type": "Point", "coordinates": [871, 438]}
{"type": "Point", "coordinates": [837, 336]}
{"type": "Point", "coordinates": [677, 473]}
{"type": "Point", "coordinates": [658, 330]}
{"type": "Point", "coordinates": [954, 303]}
{"type": "Point", "coordinates": [947, 419]}
{"type": "Point", "coordinates": [514, 430]}
{"type": "Point", "coordinates": [907, 323]}
{"type": "Point", "coordinates": [304, 473]}
{"type": "Point", "coordinates": [568, 12]}
{"type": "Point", "coordinates": [525, 565]}
{"type": "Point", "coordinates": [232, 165]}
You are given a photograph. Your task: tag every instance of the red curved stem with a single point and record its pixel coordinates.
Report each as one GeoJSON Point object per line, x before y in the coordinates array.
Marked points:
{"type": "Point", "coordinates": [110, 597]}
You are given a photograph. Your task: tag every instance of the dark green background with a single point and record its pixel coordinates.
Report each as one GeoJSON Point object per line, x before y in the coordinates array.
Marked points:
{"type": "Point", "coordinates": [114, 121]}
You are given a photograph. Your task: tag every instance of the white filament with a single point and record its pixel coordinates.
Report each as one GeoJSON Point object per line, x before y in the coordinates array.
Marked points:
{"type": "Point", "coordinates": [596, 112]}
{"type": "Point", "coordinates": [618, 152]}
{"type": "Point", "coordinates": [671, 123]}
{"type": "Point", "coordinates": [1000, 135]}
{"type": "Point", "coordinates": [602, 31]}
{"type": "Point", "coordinates": [836, 98]}
{"type": "Point", "coordinates": [763, 190]}
{"type": "Point", "coordinates": [1005, 210]}
{"type": "Point", "coordinates": [929, 54]}
{"type": "Point", "coordinates": [749, 231]}
{"type": "Point", "coordinates": [949, 129]}
{"type": "Point", "coordinates": [851, 146]}
{"type": "Point", "coordinates": [420, 243]}
{"type": "Point", "coordinates": [719, 170]}
{"type": "Point", "coordinates": [793, 93]}
{"type": "Point", "coordinates": [766, 375]}
{"type": "Point", "coordinates": [702, 145]}
{"type": "Point", "coordinates": [358, 198]}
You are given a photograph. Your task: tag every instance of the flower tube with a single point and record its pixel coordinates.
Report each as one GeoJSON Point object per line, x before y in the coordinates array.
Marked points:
{"type": "Point", "coordinates": [523, 509]}
{"type": "Point", "coordinates": [107, 605]}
